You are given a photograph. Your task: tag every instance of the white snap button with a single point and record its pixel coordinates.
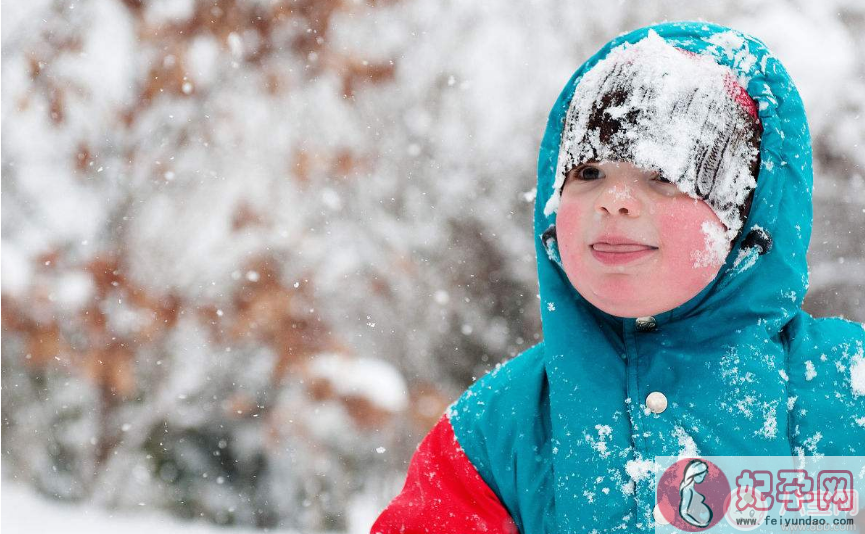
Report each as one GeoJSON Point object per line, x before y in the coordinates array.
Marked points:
{"type": "Point", "coordinates": [646, 324]}
{"type": "Point", "coordinates": [659, 516]}
{"type": "Point", "coordinates": [656, 402]}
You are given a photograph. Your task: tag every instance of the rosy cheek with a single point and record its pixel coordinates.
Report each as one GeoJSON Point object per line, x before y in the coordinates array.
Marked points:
{"type": "Point", "coordinates": [569, 234]}
{"type": "Point", "coordinates": [680, 234]}
{"type": "Point", "coordinates": [681, 225]}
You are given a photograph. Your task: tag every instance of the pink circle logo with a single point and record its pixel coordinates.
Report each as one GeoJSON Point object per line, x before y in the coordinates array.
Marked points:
{"type": "Point", "coordinates": [693, 495]}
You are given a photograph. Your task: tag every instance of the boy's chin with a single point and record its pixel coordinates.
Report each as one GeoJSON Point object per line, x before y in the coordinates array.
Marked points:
{"type": "Point", "coordinates": [639, 295]}
{"type": "Point", "coordinates": [630, 308]}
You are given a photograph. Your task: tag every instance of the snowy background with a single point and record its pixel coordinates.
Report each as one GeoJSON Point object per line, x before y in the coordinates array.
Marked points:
{"type": "Point", "coordinates": [251, 250]}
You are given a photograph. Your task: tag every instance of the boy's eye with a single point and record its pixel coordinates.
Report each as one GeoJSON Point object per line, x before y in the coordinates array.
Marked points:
{"type": "Point", "coordinates": [661, 178]}
{"type": "Point", "coordinates": [587, 173]}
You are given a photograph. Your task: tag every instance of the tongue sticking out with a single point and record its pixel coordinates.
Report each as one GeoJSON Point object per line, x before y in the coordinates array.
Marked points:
{"type": "Point", "coordinates": [606, 247]}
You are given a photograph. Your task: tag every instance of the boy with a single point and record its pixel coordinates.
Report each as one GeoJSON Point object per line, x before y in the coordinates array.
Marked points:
{"type": "Point", "coordinates": [672, 219]}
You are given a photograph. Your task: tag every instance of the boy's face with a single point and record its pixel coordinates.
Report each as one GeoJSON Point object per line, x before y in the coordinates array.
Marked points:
{"type": "Point", "coordinates": [632, 243]}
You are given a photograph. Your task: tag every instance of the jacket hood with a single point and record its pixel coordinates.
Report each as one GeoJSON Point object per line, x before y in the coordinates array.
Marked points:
{"type": "Point", "coordinates": [764, 277]}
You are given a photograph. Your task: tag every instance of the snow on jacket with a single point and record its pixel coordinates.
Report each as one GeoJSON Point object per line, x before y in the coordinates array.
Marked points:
{"type": "Point", "coordinates": [559, 438]}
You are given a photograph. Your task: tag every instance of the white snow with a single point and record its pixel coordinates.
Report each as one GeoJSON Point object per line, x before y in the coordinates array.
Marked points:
{"type": "Point", "coordinates": [810, 372]}
{"type": "Point", "coordinates": [716, 246]}
{"type": "Point", "coordinates": [202, 59]}
{"type": "Point", "coordinates": [235, 44]}
{"type": "Point", "coordinates": [686, 442]}
{"type": "Point", "coordinates": [732, 45]}
{"type": "Point", "coordinates": [811, 443]}
{"type": "Point", "coordinates": [600, 444]}
{"type": "Point", "coordinates": [73, 290]}
{"type": "Point", "coordinates": [748, 256]}
{"type": "Point", "coordinates": [374, 379]}
{"type": "Point", "coordinates": [105, 64]}
{"type": "Point", "coordinates": [857, 374]}
{"type": "Point", "coordinates": [640, 469]}
{"type": "Point", "coordinates": [16, 271]}
{"type": "Point", "coordinates": [621, 194]}
{"type": "Point", "coordinates": [770, 422]}
{"type": "Point", "coordinates": [26, 511]}
{"type": "Point", "coordinates": [165, 11]}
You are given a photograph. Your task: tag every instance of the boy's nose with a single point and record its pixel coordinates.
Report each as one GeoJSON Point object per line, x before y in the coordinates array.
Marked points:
{"type": "Point", "coordinates": [618, 199]}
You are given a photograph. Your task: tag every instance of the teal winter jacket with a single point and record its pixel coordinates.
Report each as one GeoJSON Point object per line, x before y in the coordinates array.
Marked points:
{"type": "Point", "coordinates": [559, 437]}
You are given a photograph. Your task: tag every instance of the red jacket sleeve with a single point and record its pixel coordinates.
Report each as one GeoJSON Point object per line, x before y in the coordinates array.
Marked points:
{"type": "Point", "coordinates": [443, 493]}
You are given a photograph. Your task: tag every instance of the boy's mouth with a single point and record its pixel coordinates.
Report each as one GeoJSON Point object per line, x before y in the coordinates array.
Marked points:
{"type": "Point", "coordinates": [618, 243]}
{"type": "Point", "coordinates": [608, 247]}
{"type": "Point", "coordinates": [616, 250]}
